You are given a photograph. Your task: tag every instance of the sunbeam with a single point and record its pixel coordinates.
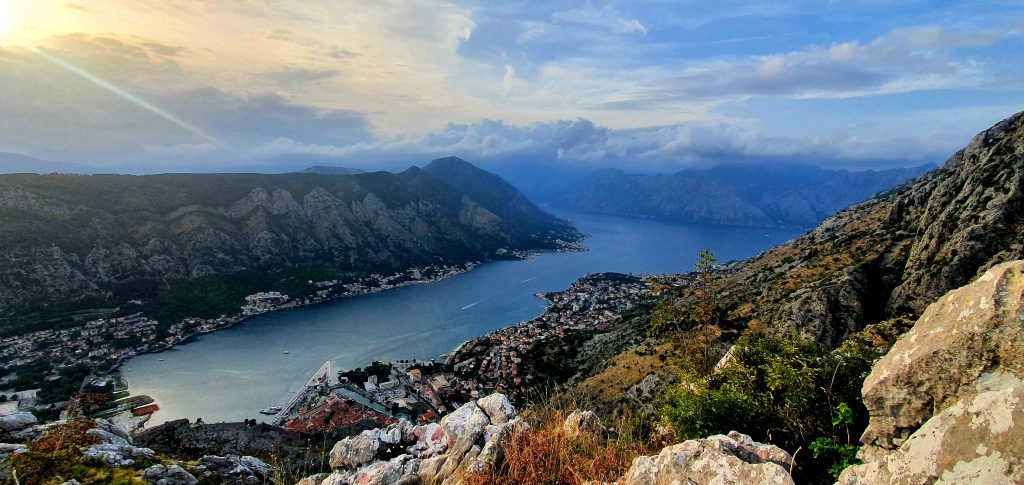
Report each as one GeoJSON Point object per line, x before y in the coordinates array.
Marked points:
{"type": "Point", "coordinates": [127, 96]}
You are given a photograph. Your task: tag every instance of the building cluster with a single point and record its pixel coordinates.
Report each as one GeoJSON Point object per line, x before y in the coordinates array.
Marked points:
{"type": "Point", "coordinates": [264, 302]}
{"type": "Point", "coordinates": [98, 341]}
{"type": "Point", "coordinates": [107, 342]}
{"type": "Point", "coordinates": [495, 362]}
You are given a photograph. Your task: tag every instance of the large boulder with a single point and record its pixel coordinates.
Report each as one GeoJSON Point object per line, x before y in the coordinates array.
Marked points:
{"type": "Point", "coordinates": [12, 424]}
{"type": "Point", "coordinates": [965, 334]}
{"type": "Point", "coordinates": [467, 421]}
{"type": "Point", "coordinates": [235, 469]}
{"type": "Point", "coordinates": [975, 440]}
{"type": "Point", "coordinates": [945, 401]}
{"type": "Point", "coordinates": [719, 459]}
{"type": "Point", "coordinates": [114, 446]}
{"type": "Point", "coordinates": [497, 407]}
{"type": "Point", "coordinates": [168, 475]}
{"type": "Point", "coordinates": [356, 450]}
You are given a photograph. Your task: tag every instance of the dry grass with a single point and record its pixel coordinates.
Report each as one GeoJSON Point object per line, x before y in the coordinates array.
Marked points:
{"type": "Point", "coordinates": [543, 453]}
{"type": "Point", "coordinates": [605, 388]}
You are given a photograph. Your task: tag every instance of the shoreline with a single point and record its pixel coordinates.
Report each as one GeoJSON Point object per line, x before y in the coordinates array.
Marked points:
{"type": "Point", "coordinates": [241, 318]}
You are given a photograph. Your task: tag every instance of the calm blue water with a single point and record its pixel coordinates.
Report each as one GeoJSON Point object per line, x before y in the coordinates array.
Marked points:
{"type": "Point", "coordinates": [231, 374]}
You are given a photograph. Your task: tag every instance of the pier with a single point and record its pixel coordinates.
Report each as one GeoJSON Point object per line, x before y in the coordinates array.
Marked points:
{"type": "Point", "coordinates": [322, 377]}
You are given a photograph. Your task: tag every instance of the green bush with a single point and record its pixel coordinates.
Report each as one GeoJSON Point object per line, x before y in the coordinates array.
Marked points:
{"type": "Point", "coordinates": [786, 391]}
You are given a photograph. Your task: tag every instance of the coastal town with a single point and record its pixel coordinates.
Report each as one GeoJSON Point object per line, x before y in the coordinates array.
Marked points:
{"type": "Point", "coordinates": [102, 345]}
{"type": "Point", "coordinates": [423, 391]}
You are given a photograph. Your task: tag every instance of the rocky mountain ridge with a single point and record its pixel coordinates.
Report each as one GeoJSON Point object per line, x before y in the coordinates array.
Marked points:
{"type": "Point", "coordinates": [745, 195]}
{"type": "Point", "coordinates": [105, 237]}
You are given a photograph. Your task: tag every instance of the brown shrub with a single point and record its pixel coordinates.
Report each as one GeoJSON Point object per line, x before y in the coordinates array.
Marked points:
{"type": "Point", "coordinates": [544, 453]}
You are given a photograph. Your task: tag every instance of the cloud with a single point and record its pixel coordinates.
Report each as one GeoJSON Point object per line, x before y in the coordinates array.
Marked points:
{"type": "Point", "coordinates": [606, 17]}
{"type": "Point", "coordinates": [164, 49]}
{"type": "Point", "coordinates": [84, 121]}
{"type": "Point", "coordinates": [292, 77]}
{"type": "Point", "coordinates": [900, 61]}
{"type": "Point", "coordinates": [582, 143]}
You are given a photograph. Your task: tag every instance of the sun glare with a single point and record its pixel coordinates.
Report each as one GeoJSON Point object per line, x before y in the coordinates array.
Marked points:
{"type": "Point", "coordinates": [5, 21]}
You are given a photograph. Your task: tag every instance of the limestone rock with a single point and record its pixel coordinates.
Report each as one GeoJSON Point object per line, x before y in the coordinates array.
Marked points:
{"type": "Point", "coordinates": [964, 335]}
{"type": "Point", "coordinates": [718, 459]}
{"type": "Point", "coordinates": [430, 469]}
{"type": "Point", "coordinates": [115, 447]}
{"type": "Point", "coordinates": [469, 420]}
{"type": "Point", "coordinates": [582, 422]}
{"type": "Point", "coordinates": [497, 407]}
{"type": "Point", "coordinates": [976, 440]}
{"type": "Point", "coordinates": [236, 469]}
{"type": "Point", "coordinates": [379, 473]}
{"type": "Point", "coordinates": [355, 450]}
{"type": "Point", "coordinates": [168, 475]}
{"type": "Point", "coordinates": [17, 421]}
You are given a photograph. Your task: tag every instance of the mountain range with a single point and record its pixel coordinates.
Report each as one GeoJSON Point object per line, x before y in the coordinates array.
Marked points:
{"type": "Point", "coordinates": [101, 239]}
{"type": "Point", "coordinates": [778, 195]}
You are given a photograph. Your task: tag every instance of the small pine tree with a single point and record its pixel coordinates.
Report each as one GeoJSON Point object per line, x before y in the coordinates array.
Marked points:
{"type": "Point", "coordinates": [693, 308]}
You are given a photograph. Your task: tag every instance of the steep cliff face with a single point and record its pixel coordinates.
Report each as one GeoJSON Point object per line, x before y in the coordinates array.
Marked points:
{"type": "Point", "coordinates": [896, 253]}
{"type": "Point", "coordinates": [67, 237]}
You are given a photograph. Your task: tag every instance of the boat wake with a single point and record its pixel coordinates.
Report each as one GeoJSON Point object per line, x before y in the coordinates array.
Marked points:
{"type": "Point", "coordinates": [527, 281]}
{"type": "Point", "coordinates": [471, 305]}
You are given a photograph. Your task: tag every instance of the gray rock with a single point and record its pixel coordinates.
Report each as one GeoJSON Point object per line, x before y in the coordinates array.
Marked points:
{"type": "Point", "coordinates": [582, 422]}
{"type": "Point", "coordinates": [975, 440]}
{"type": "Point", "coordinates": [466, 421]}
{"type": "Point", "coordinates": [718, 459]}
{"type": "Point", "coordinates": [244, 469]}
{"type": "Point", "coordinates": [497, 407]}
{"type": "Point", "coordinates": [175, 475]}
{"type": "Point", "coordinates": [965, 334]}
{"type": "Point", "coordinates": [17, 421]}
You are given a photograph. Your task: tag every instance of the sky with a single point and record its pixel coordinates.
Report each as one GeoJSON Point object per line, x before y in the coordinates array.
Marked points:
{"type": "Point", "coordinates": [644, 85]}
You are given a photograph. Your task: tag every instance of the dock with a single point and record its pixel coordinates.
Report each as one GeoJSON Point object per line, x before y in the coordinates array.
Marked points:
{"type": "Point", "coordinates": [322, 378]}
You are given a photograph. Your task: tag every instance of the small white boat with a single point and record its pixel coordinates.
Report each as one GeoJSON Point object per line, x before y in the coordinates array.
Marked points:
{"type": "Point", "coordinates": [286, 352]}
{"type": "Point", "coordinates": [271, 410]}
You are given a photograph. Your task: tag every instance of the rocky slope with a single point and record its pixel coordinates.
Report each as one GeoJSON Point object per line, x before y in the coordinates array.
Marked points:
{"type": "Point", "coordinates": [947, 401]}
{"type": "Point", "coordinates": [747, 195]}
{"type": "Point", "coordinates": [890, 256]}
{"type": "Point", "coordinates": [896, 253]}
{"type": "Point", "coordinates": [109, 237]}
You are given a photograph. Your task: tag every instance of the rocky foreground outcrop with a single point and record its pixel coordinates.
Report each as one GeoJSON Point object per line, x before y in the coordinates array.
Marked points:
{"type": "Point", "coordinates": [947, 401]}
{"type": "Point", "coordinates": [472, 440]}
{"type": "Point", "coordinates": [735, 458]}
{"type": "Point", "coordinates": [469, 439]}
